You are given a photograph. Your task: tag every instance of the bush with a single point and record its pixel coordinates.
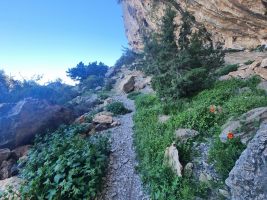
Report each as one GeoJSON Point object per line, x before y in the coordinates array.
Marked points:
{"type": "Point", "coordinates": [226, 69]}
{"type": "Point", "coordinates": [133, 95]}
{"type": "Point", "coordinates": [180, 70]}
{"type": "Point", "coordinates": [151, 138]}
{"type": "Point", "coordinates": [249, 62]}
{"type": "Point", "coordinates": [128, 58]}
{"type": "Point", "coordinates": [82, 72]}
{"type": "Point", "coordinates": [62, 165]}
{"type": "Point", "coordinates": [117, 108]}
{"type": "Point", "coordinates": [224, 155]}
{"type": "Point", "coordinates": [55, 92]}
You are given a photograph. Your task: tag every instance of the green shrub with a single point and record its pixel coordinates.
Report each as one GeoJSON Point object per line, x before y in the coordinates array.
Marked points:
{"type": "Point", "coordinates": [249, 62]}
{"type": "Point", "coordinates": [62, 165]}
{"type": "Point", "coordinates": [224, 155]}
{"type": "Point", "coordinates": [133, 95]}
{"type": "Point", "coordinates": [103, 96]}
{"type": "Point", "coordinates": [151, 138]}
{"type": "Point", "coordinates": [226, 69]}
{"type": "Point", "coordinates": [182, 70]}
{"type": "Point", "coordinates": [117, 108]}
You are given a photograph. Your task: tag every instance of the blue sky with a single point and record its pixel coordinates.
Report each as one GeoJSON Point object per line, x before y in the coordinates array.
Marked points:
{"type": "Point", "coordinates": [49, 36]}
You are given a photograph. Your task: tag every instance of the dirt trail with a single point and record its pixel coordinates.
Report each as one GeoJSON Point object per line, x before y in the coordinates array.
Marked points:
{"type": "Point", "coordinates": [122, 181]}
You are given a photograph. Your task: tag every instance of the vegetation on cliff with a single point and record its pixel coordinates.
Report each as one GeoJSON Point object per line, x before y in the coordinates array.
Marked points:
{"type": "Point", "coordinates": [152, 137]}
{"type": "Point", "coordinates": [180, 68]}
{"type": "Point", "coordinates": [63, 165]}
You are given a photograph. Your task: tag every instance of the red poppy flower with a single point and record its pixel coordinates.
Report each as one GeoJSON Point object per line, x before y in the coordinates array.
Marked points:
{"type": "Point", "coordinates": [230, 136]}
{"type": "Point", "coordinates": [212, 109]}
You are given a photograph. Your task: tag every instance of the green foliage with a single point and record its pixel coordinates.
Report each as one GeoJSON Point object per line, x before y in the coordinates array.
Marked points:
{"type": "Point", "coordinates": [151, 138]}
{"type": "Point", "coordinates": [109, 84]}
{"type": "Point", "coordinates": [92, 81]}
{"type": "Point", "coordinates": [103, 95]}
{"type": "Point", "coordinates": [249, 62]}
{"type": "Point", "coordinates": [224, 155]}
{"type": "Point", "coordinates": [226, 69]}
{"type": "Point", "coordinates": [90, 76]}
{"type": "Point", "coordinates": [133, 95]}
{"type": "Point", "coordinates": [62, 165]}
{"type": "Point", "coordinates": [117, 108]}
{"type": "Point", "coordinates": [55, 92]}
{"type": "Point", "coordinates": [128, 58]}
{"type": "Point", "coordinates": [180, 70]}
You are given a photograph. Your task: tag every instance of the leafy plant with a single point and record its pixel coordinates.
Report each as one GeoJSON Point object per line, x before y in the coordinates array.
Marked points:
{"type": "Point", "coordinates": [133, 95]}
{"type": "Point", "coordinates": [226, 69]}
{"type": "Point", "coordinates": [249, 62]}
{"type": "Point", "coordinates": [151, 138]}
{"type": "Point", "coordinates": [62, 165]}
{"type": "Point", "coordinates": [224, 155]}
{"type": "Point", "coordinates": [183, 69]}
{"type": "Point", "coordinates": [82, 71]}
{"type": "Point", "coordinates": [117, 108]}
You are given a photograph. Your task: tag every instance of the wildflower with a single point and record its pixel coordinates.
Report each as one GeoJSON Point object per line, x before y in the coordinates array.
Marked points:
{"type": "Point", "coordinates": [212, 108]}
{"type": "Point", "coordinates": [230, 135]}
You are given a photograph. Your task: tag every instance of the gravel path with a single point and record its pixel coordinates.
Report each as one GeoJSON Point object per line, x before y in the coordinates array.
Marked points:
{"type": "Point", "coordinates": [122, 181]}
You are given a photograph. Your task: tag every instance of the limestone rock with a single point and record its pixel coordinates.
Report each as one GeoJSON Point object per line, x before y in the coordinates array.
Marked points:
{"type": "Point", "coordinates": [188, 169]}
{"type": "Point", "coordinates": [127, 85]}
{"type": "Point", "coordinates": [83, 104]}
{"type": "Point", "coordinates": [248, 178]}
{"type": "Point", "coordinates": [237, 24]}
{"type": "Point", "coordinates": [263, 86]}
{"type": "Point", "coordinates": [103, 119]}
{"type": "Point", "coordinates": [22, 121]}
{"type": "Point", "coordinates": [21, 151]}
{"type": "Point", "coordinates": [6, 168]}
{"type": "Point", "coordinates": [108, 101]}
{"type": "Point", "coordinates": [171, 158]}
{"type": "Point", "coordinates": [255, 64]}
{"type": "Point", "coordinates": [4, 154]}
{"type": "Point", "coordinates": [247, 122]}
{"type": "Point", "coordinates": [182, 135]}
{"type": "Point", "coordinates": [262, 72]}
{"type": "Point", "coordinates": [264, 63]}
{"type": "Point", "coordinates": [14, 182]}
{"type": "Point", "coordinates": [164, 118]}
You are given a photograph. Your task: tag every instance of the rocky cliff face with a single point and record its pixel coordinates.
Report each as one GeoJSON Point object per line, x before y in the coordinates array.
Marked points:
{"type": "Point", "coordinates": [235, 23]}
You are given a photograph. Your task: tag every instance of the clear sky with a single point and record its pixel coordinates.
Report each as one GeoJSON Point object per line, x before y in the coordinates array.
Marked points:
{"type": "Point", "coordinates": [49, 36]}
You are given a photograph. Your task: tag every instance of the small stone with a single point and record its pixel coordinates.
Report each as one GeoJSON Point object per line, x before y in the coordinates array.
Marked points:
{"type": "Point", "coordinates": [224, 193]}
{"type": "Point", "coordinates": [188, 170]}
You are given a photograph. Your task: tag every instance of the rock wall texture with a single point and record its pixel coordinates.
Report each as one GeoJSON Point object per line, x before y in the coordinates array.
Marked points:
{"type": "Point", "coordinates": [237, 24]}
{"type": "Point", "coordinates": [248, 178]}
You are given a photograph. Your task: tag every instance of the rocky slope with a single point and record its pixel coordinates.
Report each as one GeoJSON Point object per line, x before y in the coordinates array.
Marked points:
{"type": "Point", "coordinates": [237, 24]}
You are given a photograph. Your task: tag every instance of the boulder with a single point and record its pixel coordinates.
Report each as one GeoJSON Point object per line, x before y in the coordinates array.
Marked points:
{"type": "Point", "coordinates": [14, 182]}
{"type": "Point", "coordinates": [103, 121]}
{"type": "Point", "coordinates": [171, 158]}
{"type": "Point", "coordinates": [4, 154]}
{"type": "Point", "coordinates": [182, 135]}
{"type": "Point", "coordinates": [127, 85]}
{"type": "Point", "coordinates": [262, 72]}
{"type": "Point", "coordinates": [264, 63]}
{"type": "Point", "coordinates": [83, 104]}
{"type": "Point", "coordinates": [188, 169]}
{"type": "Point", "coordinates": [255, 64]}
{"type": "Point", "coordinates": [6, 168]}
{"type": "Point", "coordinates": [21, 151]}
{"type": "Point", "coordinates": [108, 101]}
{"type": "Point", "coordinates": [103, 118]}
{"type": "Point", "coordinates": [248, 178]}
{"type": "Point", "coordinates": [20, 124]}
{"type": "Point", "coordinates": [263, 86]}
{"type": "Point", "coordinates": [245, 126]}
